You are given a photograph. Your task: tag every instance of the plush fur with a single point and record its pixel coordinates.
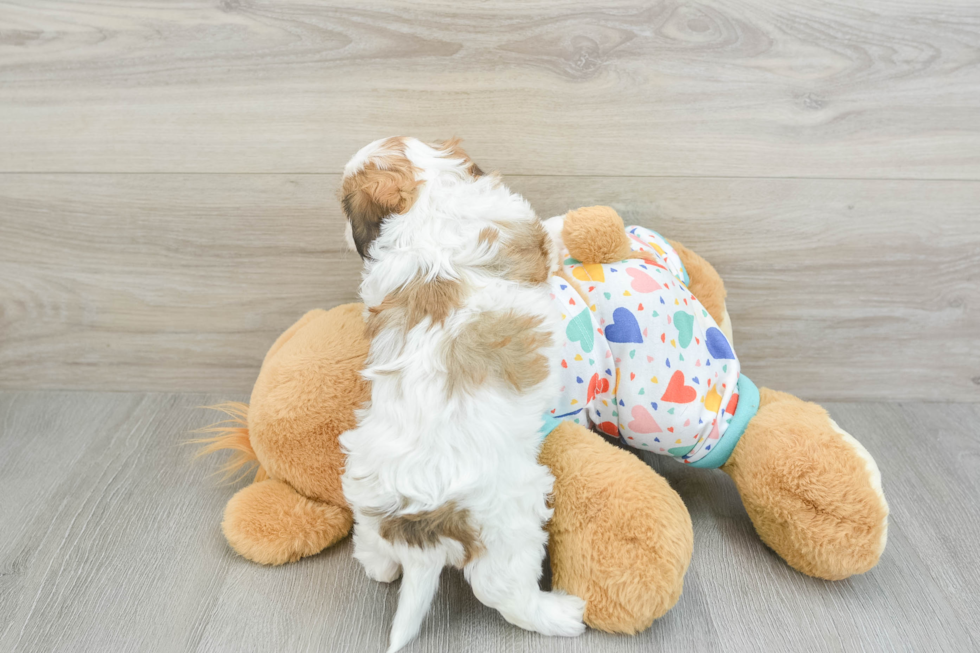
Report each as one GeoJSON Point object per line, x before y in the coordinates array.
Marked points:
{"type": "Point", "coordinates": [812, 491]}
{"type": "Point", "coordinates": [292, 430]}
{"type": "Point", "coordinates": [621, 537]}
{"type": "Point", "coordinates": [442, 468]}
{"type": "Point", "coordinates": [595, 234]}
{"type": "Point", "coordinates": [270, 522]}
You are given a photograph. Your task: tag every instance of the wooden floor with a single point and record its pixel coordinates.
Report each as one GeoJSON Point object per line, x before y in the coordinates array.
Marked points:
{"type": "Point", "coordinates": [111, 542]}
{"type": "Point", "coordinates": [168, 178]}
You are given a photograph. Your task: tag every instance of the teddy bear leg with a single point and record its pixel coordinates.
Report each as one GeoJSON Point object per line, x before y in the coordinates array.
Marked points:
{"type": "Point", "coordinates": [620, 537]}
{"type": "Point", "coordinates": [270, 523]}
{"type": "Point", "coordinates": [812, 491]}
{"type": "Point", "coordinates": [706, 284]}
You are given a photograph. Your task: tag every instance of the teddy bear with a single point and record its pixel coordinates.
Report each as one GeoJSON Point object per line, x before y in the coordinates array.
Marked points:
{"type": "Point", "coordinates": [620, 536]}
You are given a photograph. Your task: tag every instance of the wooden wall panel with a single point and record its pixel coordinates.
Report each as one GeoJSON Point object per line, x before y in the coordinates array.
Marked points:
{"type": "Point", "coordinates": [718, 87]}
{"type": "Point", "coordinates": [838, 290]}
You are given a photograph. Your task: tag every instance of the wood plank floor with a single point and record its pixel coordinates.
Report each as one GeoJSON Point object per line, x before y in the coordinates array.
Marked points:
{"type": "Point", "coordinates": [111, 542]}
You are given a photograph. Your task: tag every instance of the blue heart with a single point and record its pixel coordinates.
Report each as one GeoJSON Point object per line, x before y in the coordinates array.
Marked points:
{"type": "Point", "coordinates": [623, 328]}
{"type": "Point", "coordinates": [717, 343]}
{"type": "Point", "coordinates": [654, 404]}
{"type": "Point", "coordinates": [579, 379]}
{"type": "Point", "coordinates": [563, 286]}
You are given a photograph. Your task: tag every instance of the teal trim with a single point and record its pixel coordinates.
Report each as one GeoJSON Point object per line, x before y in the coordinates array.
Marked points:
{"type": "Point", "coordinates": [551, 422]}
{"type": "Point", "coordinates": [686, 279]}
{"type": "Point", "coordinates": [748, 406]}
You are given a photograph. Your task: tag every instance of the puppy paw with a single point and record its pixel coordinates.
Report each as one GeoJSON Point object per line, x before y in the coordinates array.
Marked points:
{"type": "Point", "coordinates": [561, 615]}
{"type": "Point", "coordinates": [380, 568]}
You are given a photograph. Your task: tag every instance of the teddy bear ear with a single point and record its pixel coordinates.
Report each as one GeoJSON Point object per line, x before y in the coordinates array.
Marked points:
{"type": "Point", "coordinates": [595, 234]}
{"type": "Point", "coordinates": [380, 181]}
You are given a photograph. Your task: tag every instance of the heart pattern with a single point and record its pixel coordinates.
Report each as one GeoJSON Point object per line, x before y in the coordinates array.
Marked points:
{"type": "Point", "coordinates": [589, 272]}
{"type": "Point", "coordinates": [642, 282]}
{"type": "Point", "coordinates": [643, 421]}
{"type": "Point", "coordinates": [677, 392]}
{"type": "Point", "coordinates": [659, 379]}
{"type": "Point", "coordinates": [717, 343]}
{"type": "Point", "coordinates": [579, 329]}
{"type": "Point", "coordinates": [597, 386]}
{"type": "Point", "coordinates": [624, 327]}
{"type": "Point", "coordinates": [684, 323]}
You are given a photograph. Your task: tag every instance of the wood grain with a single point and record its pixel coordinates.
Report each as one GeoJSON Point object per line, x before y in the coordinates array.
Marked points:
{"type": "Point", "coordinates": [883, 89]}
{"type": "Point", "coordinates": [111, 542]}
{"type": "Point", "coordinates": [841, 290]}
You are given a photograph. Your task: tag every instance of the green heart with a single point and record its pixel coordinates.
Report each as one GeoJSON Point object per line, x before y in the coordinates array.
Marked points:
{"type": "Point", "coordinates": [704, 312]}
{"type": "Point", "coordinates": [656, 314]}
{"type": "Point", "coordinates": [724, 368]}
{"type": "Point", "coordinates": [681, 356]}
{"type": "Point", "coordinates": [579, 329]}
{"type": "Point", "coordinates": [680, 451]}
{"type": "Point", "coordinates": [607, 295]}
{"type": "Point", "coordinates": [641, 392]}
{"type": "Point", "coordinates": [591, 361]}
{"type": "Point", "coordinates": [571, 261]}
{"type": "Point", "coordinates": [684, 323]}
{"type": "Point", "coordinates": [671, 411]}
{"type": "Point", "coordinates": [632, 353]}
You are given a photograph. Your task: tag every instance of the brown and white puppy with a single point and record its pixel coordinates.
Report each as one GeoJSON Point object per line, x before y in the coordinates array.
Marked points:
{"type": "Point", "coordinates": [442, 467]}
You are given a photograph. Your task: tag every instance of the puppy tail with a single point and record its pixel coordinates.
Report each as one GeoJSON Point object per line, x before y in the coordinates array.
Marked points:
{"type": "Point", "coordinates": [420, 579]}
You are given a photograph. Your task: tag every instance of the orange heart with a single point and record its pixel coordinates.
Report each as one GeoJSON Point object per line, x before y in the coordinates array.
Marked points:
{"type": "Point", "coordinates": [609, 428]}
{"type": "Point", "coordinates": [597, 386]}
{"type": "Point", "coordinates": [677, 392]}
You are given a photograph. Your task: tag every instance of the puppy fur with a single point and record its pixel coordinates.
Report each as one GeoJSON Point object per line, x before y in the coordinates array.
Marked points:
{"type": "Point", "coordinates": [442, 467]}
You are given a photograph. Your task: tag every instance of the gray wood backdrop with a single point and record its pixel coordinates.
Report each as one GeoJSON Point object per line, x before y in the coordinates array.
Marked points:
{"type": "Point", "coordinates": [168, 170]}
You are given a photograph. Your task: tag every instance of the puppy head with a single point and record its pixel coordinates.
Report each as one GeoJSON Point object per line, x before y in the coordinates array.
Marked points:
{"type": "Point", "coordinates": [379, 181]}
{"type": "Point", "coordinates": [384, 179]}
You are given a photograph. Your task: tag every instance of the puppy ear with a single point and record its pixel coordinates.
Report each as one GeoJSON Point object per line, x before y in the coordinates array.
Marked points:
{"type": "Point", "coordinates": [453, 147]}
{"type": "Point", "coordinates": [384, 186]}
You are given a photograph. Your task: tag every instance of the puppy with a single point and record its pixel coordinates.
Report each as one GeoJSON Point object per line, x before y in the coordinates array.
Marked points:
{"type": "Point", "coordinates": [442, 468]}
